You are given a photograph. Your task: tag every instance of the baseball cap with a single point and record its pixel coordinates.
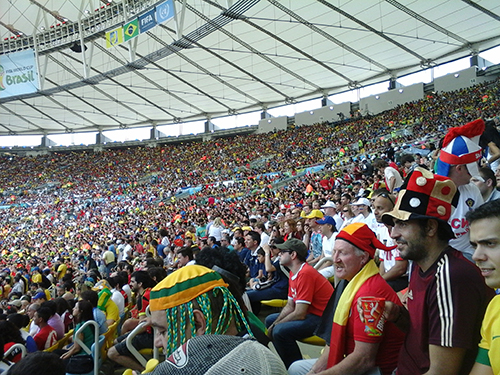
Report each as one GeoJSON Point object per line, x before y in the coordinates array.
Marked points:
{"type": "Point", "coordinates": [221, 355]}
{"type": "Point", "coordinates": [315, 214]}
{"type": "Point", "coordinates": [326, 220]}
{"type": "Point", "coordinates": [40, 295]}
{"type": "Point", "coordinates": [361, 201]}
{"type": "Point", "coordinates": [294, 244]}
{"type": "Point", "coordinates": [15, 302]}
{"type": "Point", "coordinates": [328, 204]}
{"type": "Point", "coordinates": [424, 195]}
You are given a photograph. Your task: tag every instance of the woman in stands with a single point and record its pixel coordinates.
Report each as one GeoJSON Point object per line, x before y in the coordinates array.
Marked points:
{"type": "Point", "coordinates": [290, 229]}
{"type": "Point", "coordinates": [216, 228]}
{"type": "Point", "coordinates": [300, 229]}
{"type": "Point", "coordinates": [82, 313]}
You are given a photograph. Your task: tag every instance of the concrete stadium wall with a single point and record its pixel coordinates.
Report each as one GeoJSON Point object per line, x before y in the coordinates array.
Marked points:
{"type": "Point", "coordinates": [273, 123]}
{"type": "Point", "coordinates": [460, 80]}
{"type": "Point", "coordinates": [327, 113]}
{"type": "Point", "coordinates": [379, 103]}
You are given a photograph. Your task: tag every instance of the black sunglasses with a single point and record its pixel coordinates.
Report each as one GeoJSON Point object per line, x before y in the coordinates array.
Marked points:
{"type": "Point", "coordinates": [387, 196]}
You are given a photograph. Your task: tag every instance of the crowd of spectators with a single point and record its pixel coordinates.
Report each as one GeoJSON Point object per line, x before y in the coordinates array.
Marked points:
{"type": "Point", "coordinates": [72, 219]}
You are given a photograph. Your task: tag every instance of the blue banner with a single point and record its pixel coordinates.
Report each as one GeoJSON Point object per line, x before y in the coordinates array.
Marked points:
{"type": "Point", "coordinates": [165, 11]}
{"type": "Point", "coordinates": [147, 21]}
{"type": "Point", "coordinates": [18, 74]}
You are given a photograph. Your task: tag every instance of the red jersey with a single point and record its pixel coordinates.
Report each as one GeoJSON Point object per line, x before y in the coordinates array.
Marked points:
{"type": "Point", "coordinates": [311, 287]}
{"type": "Point", "coordinates": [392, 338]}
{"type": "Point", "coordinates": [45, 338]}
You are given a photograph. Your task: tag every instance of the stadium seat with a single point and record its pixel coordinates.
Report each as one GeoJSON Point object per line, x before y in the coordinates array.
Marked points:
{"type": "Point", "coordinates": [95, 349]}
{"type": "Point", "coordinates": [109, 338]}
{"type": "Point", "coordinates": [61, 343]}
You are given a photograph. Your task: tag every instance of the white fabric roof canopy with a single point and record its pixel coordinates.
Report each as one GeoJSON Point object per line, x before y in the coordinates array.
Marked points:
{"type": "Point", "coordinates": [269, 53]}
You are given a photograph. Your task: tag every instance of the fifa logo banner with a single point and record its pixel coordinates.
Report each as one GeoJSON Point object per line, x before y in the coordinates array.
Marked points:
{"type": "Point", "coordinates": [18, 74]}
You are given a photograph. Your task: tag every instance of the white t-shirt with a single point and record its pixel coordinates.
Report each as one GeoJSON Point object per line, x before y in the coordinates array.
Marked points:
{"type": "Point", "coordinates": [388, 257]}
{"type": "Point", "coordinates": [338, 221]}
{"type": "Point", "coordinates": [391, 172]}
{"type": "Point", "coordinates": [264, 239]}
{"type": "Point", "coordinates": [328, 244]}
{"type": "Point", "coordinates": [126, 289]}
{"type": "Point", "coordinates": [119, 300]}
{"type": "Point", "coordinates": [470, 198]}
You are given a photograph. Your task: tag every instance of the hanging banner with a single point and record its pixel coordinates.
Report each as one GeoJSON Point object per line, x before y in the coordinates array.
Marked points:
{"type": "Point", "coordinates": [18, 74]}
{"type": "Point", "coordinates": [147, 21]}
{"type": "Point", "coordinates": [114, 37]}
{"type": "Point", "coordinates": [165, 11]}
{"type": "Point", "coordinates": [131, 30]}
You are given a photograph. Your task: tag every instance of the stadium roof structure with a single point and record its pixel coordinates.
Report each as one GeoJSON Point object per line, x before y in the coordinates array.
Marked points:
{"type": "Point", "coordinates": [215, 57]}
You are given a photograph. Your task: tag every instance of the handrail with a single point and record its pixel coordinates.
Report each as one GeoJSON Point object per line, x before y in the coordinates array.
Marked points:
{"type": "Point", "coordinates": [138, 356]}
{"type": "Point", "coordinates": [322, 261]}
{"type": "Point", "coordinates": [86, 348]}
{"type": "Point", "coordinates": [14, 347]}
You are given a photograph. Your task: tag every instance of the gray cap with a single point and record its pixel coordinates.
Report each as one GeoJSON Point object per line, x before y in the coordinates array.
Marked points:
{"type": "Point", "coordinates": [293, 244]}
{"type": "Point", "coordinates": [221, 355]}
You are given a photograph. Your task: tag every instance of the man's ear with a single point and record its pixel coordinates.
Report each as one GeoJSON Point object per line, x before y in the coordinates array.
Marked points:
{"type": "Point", "coordinates": [200, 322]}
{"type": "Point", "coordinates": [489, 182]}
{"type": "Point", "coordinates": [432, 227]}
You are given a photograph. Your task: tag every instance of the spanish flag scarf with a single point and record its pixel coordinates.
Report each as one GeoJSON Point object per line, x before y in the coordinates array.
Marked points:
{"type": "Point", "coordinates": [338, 337]}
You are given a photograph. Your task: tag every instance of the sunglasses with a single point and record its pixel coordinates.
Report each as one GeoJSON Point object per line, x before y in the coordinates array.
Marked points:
{"type": "Point", "coordinates": [387, 196]}
{"type": "Point", "coordinates": [286, 251]}
{"type": "Point", "coordinates": [345, 210]}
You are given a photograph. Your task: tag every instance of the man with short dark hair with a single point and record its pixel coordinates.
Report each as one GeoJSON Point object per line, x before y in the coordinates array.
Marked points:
{"type": "Point", "coordinates": [141, 283]}
{"type": "Point", "coordinates": [487, 184]}
{"type": "Point", "coordinates": [185, 257]}
{"type": "Point", "coordinates": [447, 296]}
{"type": "Point", "coordinates": [308, 295]}
{"type": "Point", "coordinates": [252, 241]}
{"type": "Point", "coordinates": [485, 238]}
{"type": "Point", "coordinates": [46, 336]}
{"type": "Point", "coordinates": [393, 179]}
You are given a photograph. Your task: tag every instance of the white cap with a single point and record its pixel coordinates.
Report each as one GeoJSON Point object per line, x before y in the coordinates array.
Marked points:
{"type": "Point", "coordinates": [361, 201]}
{"type": "Point", "coordinates": [328, 204]}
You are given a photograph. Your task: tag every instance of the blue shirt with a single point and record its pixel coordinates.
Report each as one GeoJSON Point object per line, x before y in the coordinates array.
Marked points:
{"type": "Point", "coordinates": [100, 318]}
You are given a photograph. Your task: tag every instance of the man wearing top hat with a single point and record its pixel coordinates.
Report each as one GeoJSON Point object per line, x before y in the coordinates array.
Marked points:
{"type": "Point", "coordinates": [447, 296]}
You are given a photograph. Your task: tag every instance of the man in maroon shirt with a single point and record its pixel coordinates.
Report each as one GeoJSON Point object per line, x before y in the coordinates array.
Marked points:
{"type": "Point", "coordinates": [447, 296]}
